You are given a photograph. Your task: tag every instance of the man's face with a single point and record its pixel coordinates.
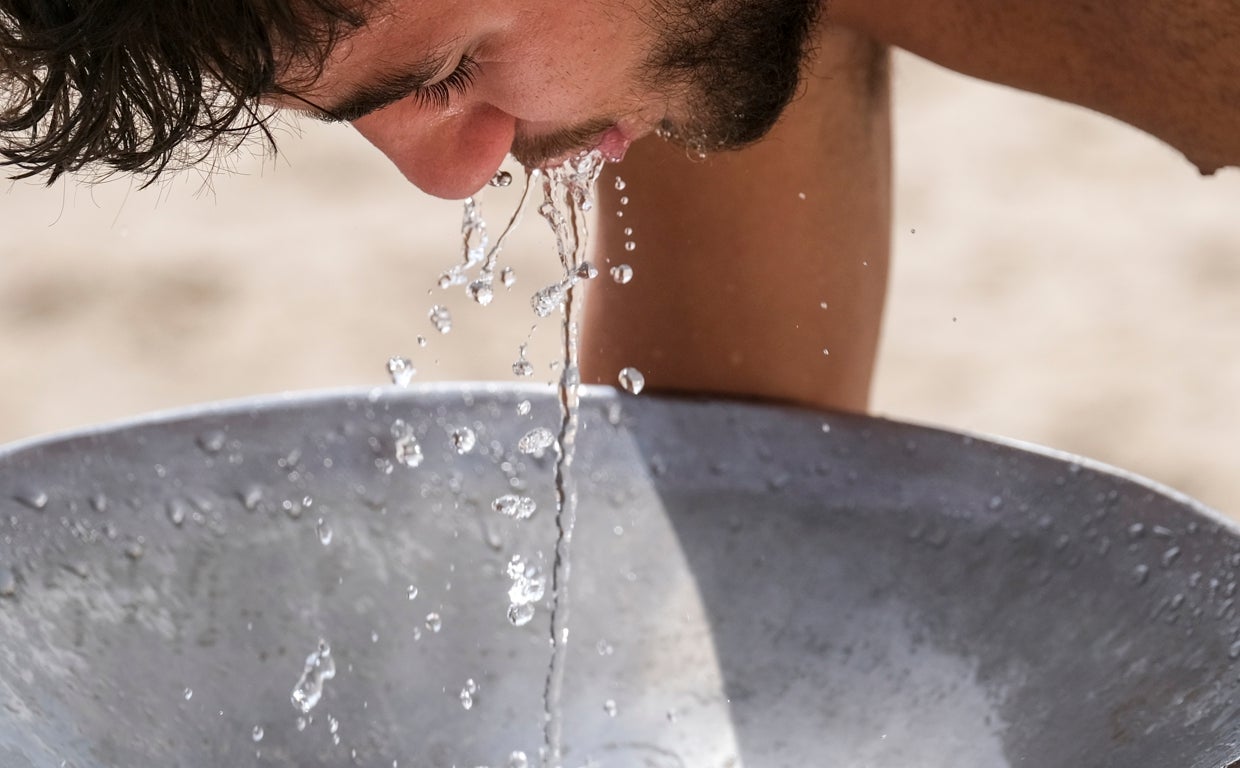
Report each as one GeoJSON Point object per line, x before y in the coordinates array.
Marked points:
{"type": "Point", "coordinates": [447, 88]}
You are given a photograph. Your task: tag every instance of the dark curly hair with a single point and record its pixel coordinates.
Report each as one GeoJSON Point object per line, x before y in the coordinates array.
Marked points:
{"type": "Point", "coordinates": [144, 86]}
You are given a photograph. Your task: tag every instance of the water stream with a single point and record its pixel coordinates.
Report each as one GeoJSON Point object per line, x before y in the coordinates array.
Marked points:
{"type": "Point", "coordinates": [567, 193]}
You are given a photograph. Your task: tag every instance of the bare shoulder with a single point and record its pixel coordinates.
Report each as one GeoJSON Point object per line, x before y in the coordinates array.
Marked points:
{"type": "Point", "coordinates": [1169, 67]}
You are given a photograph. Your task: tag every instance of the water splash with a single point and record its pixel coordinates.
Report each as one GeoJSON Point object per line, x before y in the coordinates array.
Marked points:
{"type": "Point", "coordinates": [477, 249]}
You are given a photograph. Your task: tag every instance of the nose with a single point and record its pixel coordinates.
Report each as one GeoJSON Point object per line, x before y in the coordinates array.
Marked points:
{"type": "Point", "coordinates": [451, 153]}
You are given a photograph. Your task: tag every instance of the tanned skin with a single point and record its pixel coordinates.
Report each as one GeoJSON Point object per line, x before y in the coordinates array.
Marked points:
{"type": "Point", "coordinates": [732, 265]}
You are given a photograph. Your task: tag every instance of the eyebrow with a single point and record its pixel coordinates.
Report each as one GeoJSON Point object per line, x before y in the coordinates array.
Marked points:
{"type": "Point", "coordinates": [385, 89]}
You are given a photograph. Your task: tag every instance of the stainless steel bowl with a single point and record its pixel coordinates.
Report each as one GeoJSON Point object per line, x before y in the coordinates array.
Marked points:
{"type": "Point", "coordinates": [752, 586]}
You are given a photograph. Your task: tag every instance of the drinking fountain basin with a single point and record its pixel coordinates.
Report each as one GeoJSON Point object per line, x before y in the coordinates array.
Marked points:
{"type": "Point", "coordinates": [754, 586]}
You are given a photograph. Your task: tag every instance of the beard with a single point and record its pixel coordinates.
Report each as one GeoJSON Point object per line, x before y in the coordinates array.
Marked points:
{"type": "Point", "coordinates": [736, 64]}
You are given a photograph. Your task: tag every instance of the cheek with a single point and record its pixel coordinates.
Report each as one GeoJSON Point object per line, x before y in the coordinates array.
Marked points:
{"type": "Point", "coordinates": [539, 87]}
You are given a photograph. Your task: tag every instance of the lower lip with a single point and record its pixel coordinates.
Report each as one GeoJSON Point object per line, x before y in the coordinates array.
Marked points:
{"type": "Point", "coordinates": [612, 144]}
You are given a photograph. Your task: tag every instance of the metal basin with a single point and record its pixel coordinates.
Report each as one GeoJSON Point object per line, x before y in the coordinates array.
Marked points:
{"type": "Point", "coordinates": [750, 588]}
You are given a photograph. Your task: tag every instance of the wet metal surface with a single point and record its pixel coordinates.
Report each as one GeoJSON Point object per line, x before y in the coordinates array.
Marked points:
{"type": "Point", "coordinates": [750, 589]}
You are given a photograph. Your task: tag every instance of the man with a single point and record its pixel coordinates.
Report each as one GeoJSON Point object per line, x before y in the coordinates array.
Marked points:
{"type": "Point", "coordinates": [739, 252]}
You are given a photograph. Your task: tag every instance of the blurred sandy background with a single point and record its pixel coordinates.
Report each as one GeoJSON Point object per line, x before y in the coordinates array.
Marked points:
{"type": "Point", "coordinates": [1058, 278]}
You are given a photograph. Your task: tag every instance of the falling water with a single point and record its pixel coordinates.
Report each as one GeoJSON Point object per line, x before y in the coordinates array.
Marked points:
{"type": "Point", "coordinates": [567, 192]}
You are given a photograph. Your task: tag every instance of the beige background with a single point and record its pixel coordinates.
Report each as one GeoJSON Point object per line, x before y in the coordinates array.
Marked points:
{"type": "Point", "coordinates": [1058, 278]}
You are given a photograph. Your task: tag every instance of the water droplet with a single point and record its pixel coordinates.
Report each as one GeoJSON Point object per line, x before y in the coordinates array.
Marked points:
{"type": "Point", "coordinates": [188, 693]}
{"type": "Point", "coordinates": [468, 691]}
{"type": "Point", "coordinates": [422, 341]}
{"type": "Point", "coordinates": [434, 622]}
{"type": "Point", "coordinates": [620, 185]}
{"type": "Point", "coordinates": [177, 510]}
{"type": "Point", "coordinates": [822, 305]}
{"type": "Point", "coordinates": [610, 708]}
{"type": "Point", "coordinates": [826, 352]}
{"type": "Point", "coordinates": [604, 648]}
{"type": "Point", "coordinates": [32, 497]}
{"type": "Point", "coordinates": [514, 506]}
{"type": "Point", "coordinates": [518, 760]}
{"type": "Point", "coordinates": [1169, 556]}
{"type": "Point", "coordinates": [481, 291]}
{"type": "Point", "coordinates": [501, 179]}
{"type": "Point", "coordinates": [463, 440]}
{"type": "Point", "coordinates": [320, 667]}
{"type": "Point", "coordinates": [212, 442]}
{"type": "Point", "coordinates": [257, 733]}
{"type": "Point", "coordinates": [523, 408]}
{"type": "Point", "coordinates": [1234, 651]}
{"type": "Point", "coordinates": [134, 549]}
{"type": "Point", "coordinates": [1140, 574]}
{"type": "Point", "coordinates": [536, 440]}
{"type": "Point", "coordinates": [522, 367]}
{"type": "Point", "coordinates": [528, 583]}
{"type": "Point", "coordinates": [1136, 531]}
{"type": "Point", "coordinates": [441, 318]}
{"type": "Point", "coordinates": [520, 615]}
{"type": "Point", "coordinates": [401, 370]}
{"type": "Point", "coordinates": [407, 449]}
{"type": "Point", "coordinates": [508, 276]}
{"type": "Point", "coordinates": [586, 271]}
{"type": "Point", "coordinates": [412, 591]}
{"type": "Point", "coordinates": [632, 380]}
{"type": "Point", "coordinates": [548, 300]}
{"type": "Point", "coordinates": [630, 246]}
{"type": "Point", "coordinates": [250, 497]}
{"type": "Point", "coordinates": [622, 273]}
{"type": "Point", "coordinates": [624, 200]}
{"type": "Point", "coordinates": [325, 532]}
{"type": "Point", "coordinates": [301, 723]}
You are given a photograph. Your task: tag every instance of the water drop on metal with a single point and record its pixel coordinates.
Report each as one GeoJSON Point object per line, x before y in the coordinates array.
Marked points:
{"type": "Point", "coordinates": [468, 691]}
{"type": "Point", "coordinates": [33, 498]}
{"type": "Point", "coordinates": [319, 668]}
{"type": "Point", "coordinates": [463, 440]}
{"type": "Point", "coordinates": [8, 582]}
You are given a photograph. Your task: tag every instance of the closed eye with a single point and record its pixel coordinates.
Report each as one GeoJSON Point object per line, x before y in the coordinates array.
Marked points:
{"type": "Point", "coordinates": [438, 95]}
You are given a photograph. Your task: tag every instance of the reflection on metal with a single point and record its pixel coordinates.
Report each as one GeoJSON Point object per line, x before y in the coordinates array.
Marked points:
{"type": "Point", "coordinates": [751, 590]}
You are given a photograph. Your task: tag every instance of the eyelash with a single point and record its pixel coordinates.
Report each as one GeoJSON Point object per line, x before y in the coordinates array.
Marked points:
{"type": "Point", "coordinates": [439, 95]}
